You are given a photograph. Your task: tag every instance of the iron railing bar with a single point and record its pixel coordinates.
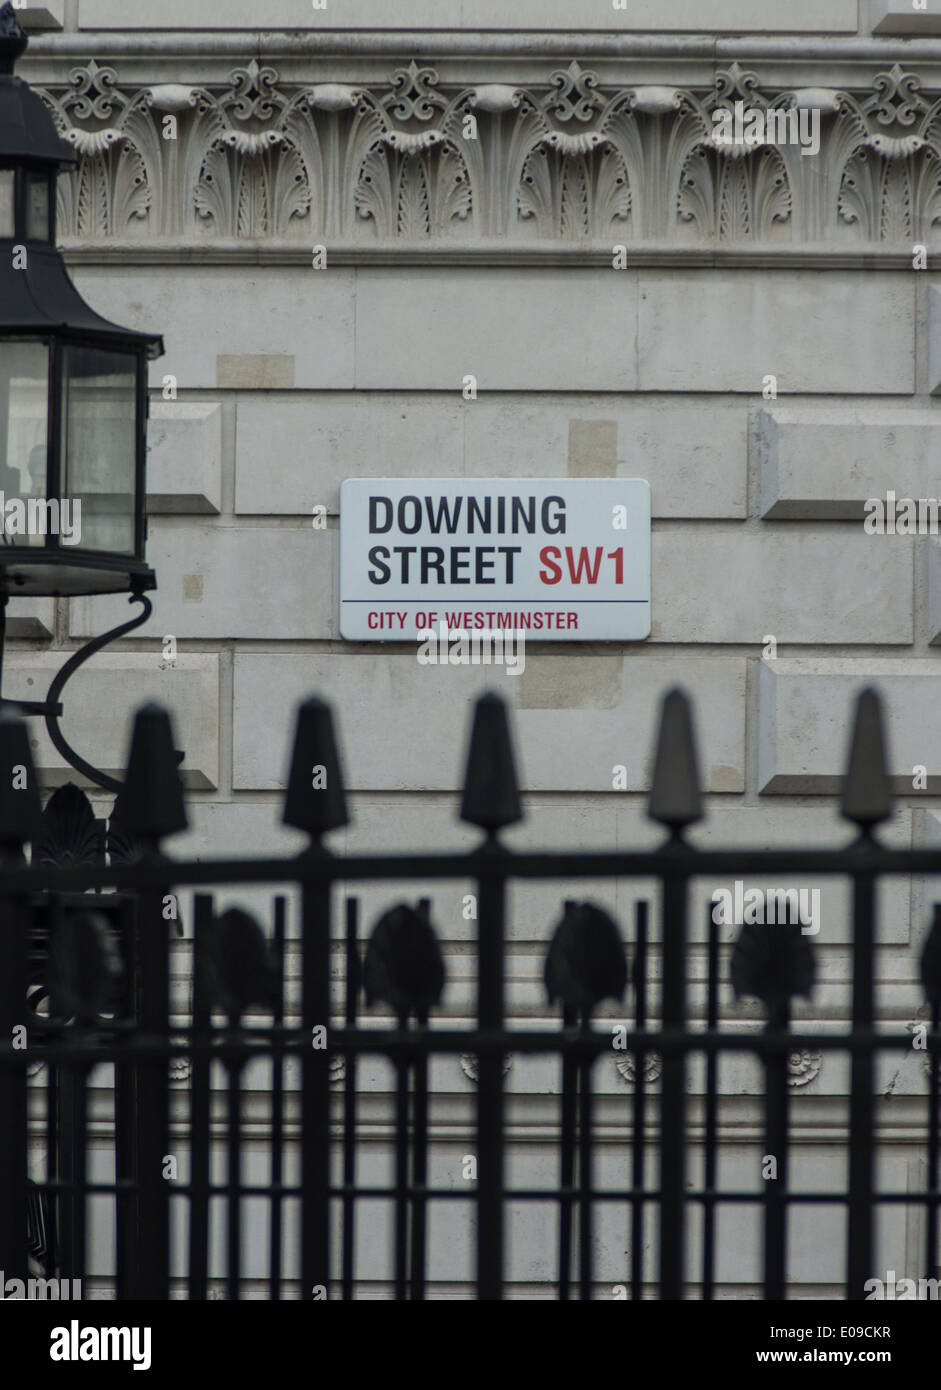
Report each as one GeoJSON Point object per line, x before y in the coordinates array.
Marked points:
{"type": "Point", "coordinates": [152, 1274]}
{"type": "Point", "coordinates": [419, 1178]}
{"type": "Point", "coordinates": [79, 1174]}
{"type": "Point", "coordinates": [403, 1071]}
{"type": "Point", "coordinates": [931, 1225]}
{"type": "Point", "coordinates": [349, 1104]}
{"type": "Point", "coordinates": [538, 1194]}
{"type": "Point", "coordinates": [490, 1017]}
{"type": "Point", "coordinates": [710, 1136]}
{"type": "Point", "coordinates": [585, 1153]}
{"type": "Point", "coordinates": [668, 864]}
{"type": "Point", "coordinates": [65, 1133]}
{"type": "Point", "coordinates": [234, 1177]}
{"type": "Point", "coordinates": [673, 1095]}
{"type": "Point", "coordinates": [14, 1145]}
{"type": "Point", "coordinates": [277, 1108]}
{"type": "Point", "coordinates": [125, 1104]}
{"type": "Point", "coordinates": [776, 1148]}
{"type": "Point", "coordinates": [567, 1128]}
{"type": "Point", "coordinates": [859, 1245]}
{"type": "Point", "coordinates": [390, 1043]}
{"type": "Point", "coordinates": [200, 1108]}
{"type": "Point", "coordinates": [638, 1137]}
{"type": "Point", "coordinates": [315, 1092]}
{"type": "Point", "coordinates": [53, 1174]}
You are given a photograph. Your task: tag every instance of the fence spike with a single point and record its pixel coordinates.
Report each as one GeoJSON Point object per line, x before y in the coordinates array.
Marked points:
{"type": "Point", "coordinates": [150, 803]}
{"type": "Point", "coordinates": [867, 789]}
{"type": "Point", "coordinates": [20, 807]}
{"type": "Point", "coordinates": [675, 797]}
{"type": "Point", "coordinates": [316, 796]}
{"type": "Point", "coordinates": [491, 793]}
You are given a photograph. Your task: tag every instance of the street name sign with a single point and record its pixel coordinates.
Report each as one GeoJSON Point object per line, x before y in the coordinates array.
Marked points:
{"type": "Point", "coordinates": [563, 560]}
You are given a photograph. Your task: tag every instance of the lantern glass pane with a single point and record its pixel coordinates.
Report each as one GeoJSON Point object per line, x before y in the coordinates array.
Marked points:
{"type": "Point", "coordinates": [99, 445]}
{"type": "Point", "coordinates": [37, 207]}
{"type": "Point", "coordinates": [24, 407]}
{"type": "Point", "coordinates": [6, 202]}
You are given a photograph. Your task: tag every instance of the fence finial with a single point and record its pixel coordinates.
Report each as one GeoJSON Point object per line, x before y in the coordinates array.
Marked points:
{"type": "Point", "coordinates": [491, 793]}
{"type": "Point", "coordinates": [150, 803]}
{"type": "Point", "coordinates": [20, 807]}
{"type": "Point", "coordinates": [867, 790]}
{"type": "Point", "coordinates": [675, 798]}
{"type": "Point", "coordinates": [316, 796]}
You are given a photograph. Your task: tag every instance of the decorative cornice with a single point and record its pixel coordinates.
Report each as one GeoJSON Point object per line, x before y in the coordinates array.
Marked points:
{"type": "Point", "coordinates": [485, 44]}
{"type": "Point", "coordinates": [566, 160]}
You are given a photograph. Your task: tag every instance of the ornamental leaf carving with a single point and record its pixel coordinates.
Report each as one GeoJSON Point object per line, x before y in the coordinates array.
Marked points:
{"type": "Point", "coordinates": [565, 154]}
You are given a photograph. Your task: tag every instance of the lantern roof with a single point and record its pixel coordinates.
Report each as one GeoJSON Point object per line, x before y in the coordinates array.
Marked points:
{"type": "Point", "coordinates": [37, 297]}
{"type": "Point", "coordinates": [27, 131]}
{"type": "Point", "coordinates": [40, 300]}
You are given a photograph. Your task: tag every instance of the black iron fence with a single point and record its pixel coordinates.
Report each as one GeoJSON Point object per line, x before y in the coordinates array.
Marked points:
{"type": "Point", "coordinates": [90, 932]}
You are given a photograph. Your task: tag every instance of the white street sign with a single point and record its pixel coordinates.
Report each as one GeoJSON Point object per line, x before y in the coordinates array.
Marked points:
{"type": "Point", "coordinates": [563, 560]}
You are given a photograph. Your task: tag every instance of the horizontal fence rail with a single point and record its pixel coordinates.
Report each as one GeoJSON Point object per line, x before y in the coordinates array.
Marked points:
{"type": "Point", "coordinates": [101, 1153]}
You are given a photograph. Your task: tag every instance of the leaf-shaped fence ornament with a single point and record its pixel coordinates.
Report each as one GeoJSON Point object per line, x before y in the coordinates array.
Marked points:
{"type": "Point", "coordinates": [404, 966]}
{"type": "Point", "coordinates": [586, 961]}
{"type": "Point", "coordinates": [238, 968]}
{"type": "Point", "coordinates": [84, 966]}
{"type": "Point", "coordinates": [20, 808]}
{"type": "Point", "coordinates": [773, 962]}
{"type": "Point", "coordinates": [69, 832]}
{"type": "Point", "coordinates": [123, 847]}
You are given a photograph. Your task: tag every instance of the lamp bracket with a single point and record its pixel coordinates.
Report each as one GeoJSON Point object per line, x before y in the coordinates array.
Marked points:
{"type": "Point", "coordinates": [51, 708]}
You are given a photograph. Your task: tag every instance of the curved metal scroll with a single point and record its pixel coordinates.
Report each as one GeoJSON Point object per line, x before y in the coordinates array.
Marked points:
{"type": "Point", "coordinates": [53, 711]}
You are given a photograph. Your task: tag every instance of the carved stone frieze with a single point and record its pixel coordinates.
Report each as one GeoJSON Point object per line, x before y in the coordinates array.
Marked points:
{"type": "Point", "coordinates": [570, 158]}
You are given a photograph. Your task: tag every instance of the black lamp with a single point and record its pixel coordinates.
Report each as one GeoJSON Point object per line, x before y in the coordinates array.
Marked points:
{"type": "Point", "coordinates": [73, 399]}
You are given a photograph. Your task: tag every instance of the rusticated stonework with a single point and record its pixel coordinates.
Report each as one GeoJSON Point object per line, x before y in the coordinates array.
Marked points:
{"type": "Point", "coordinates": [567, 159]}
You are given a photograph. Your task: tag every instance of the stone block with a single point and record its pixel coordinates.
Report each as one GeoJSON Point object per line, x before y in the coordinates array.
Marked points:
{"type": "Point", "coordinates": [828, 587]}
{"type": "Point", "coordinates": [319, 441]}
{"type": "Point", "coordinates": [100, 701]}
{"type": "Point", "coordinates": [31, 617]}
{"type": "Point", "coordinates": [664, 16]}
{"type": "Point", "coordinates": [36, 18]}
{"type": "Point", "coordinates": [219, 581]}
{"type": "Point", "coordinates": [202, 311]}
{"type": "Point", "coordinates": [739, 326]}
{"type": "Point", "coordinates": [900, 17]}
{"type": "Point", "coordinates": [404, 725]}
{"type": "Point", "coordinates": [693, 453]}
{"type": "Point", "coordinates": [805, 709]}
{"type": "Point", "coordinates": [532, 331]}
{"type": "Point", "coordinates": [825, 463]}
{"type": "Point", "coordinates": [184, 457]}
